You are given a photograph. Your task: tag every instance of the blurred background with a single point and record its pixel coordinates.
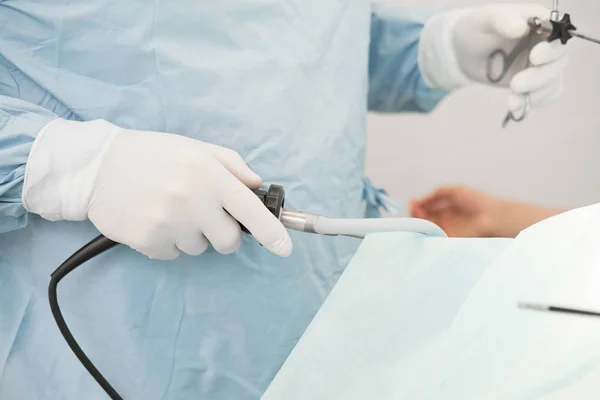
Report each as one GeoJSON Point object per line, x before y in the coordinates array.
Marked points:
{"type": "Point", "coordinates": [551, 158]}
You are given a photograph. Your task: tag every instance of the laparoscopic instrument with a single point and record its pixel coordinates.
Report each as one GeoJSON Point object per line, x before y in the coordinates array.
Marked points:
{"type": "Point", "coordinates": [564, 310]}
{"type": "Point", "coordinates": [499, 62]}
{"type": "Point", "coordinates": [274, 199]}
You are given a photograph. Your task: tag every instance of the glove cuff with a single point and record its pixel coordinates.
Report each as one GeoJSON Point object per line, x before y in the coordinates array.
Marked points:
{"type": "Point", "coordinates": [62, 168]}
{"type": "Point", "coordinates": [437, 57]}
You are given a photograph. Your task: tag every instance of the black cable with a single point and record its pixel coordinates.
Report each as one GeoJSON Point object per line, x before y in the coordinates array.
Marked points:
{"type": "Point", "coordinates": [273, 199]}
{"type": "Point", "coordinates": [97, 246]}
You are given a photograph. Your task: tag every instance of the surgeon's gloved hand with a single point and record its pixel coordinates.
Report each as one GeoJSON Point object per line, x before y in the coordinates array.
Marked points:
{"type": "Point", "coordinates": [158, 193]}
{"type": "Point", "coordinates": [455, 47]}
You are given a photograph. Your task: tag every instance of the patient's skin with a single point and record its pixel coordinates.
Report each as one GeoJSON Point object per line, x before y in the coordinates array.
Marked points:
{"type": "Point", "coordinates": [466, 212]}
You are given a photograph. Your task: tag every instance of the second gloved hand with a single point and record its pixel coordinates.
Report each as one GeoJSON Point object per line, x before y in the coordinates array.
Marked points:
{"type": "Point", "coordinates": [158, 193]}
{"type": "Point", "coordinates": [455, 47]}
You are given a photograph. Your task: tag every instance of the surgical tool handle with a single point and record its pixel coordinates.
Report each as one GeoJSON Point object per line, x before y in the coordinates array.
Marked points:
{"type": "Point", "coordinates": [274, 199]}
{"type": "Point", "coordinates": [499, 63]}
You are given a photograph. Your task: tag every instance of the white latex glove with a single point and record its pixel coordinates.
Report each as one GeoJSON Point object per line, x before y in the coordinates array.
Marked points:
{"type": "Point", "coordinates": [455, 47]}
{"type": "Point", "coordinates": [157, 193]}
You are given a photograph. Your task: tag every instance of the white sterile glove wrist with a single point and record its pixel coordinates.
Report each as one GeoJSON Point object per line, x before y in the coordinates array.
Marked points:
{"type": "Point", "coordinates": [160, 194]}
{"type": "Point", "coordinates": [455, 47]}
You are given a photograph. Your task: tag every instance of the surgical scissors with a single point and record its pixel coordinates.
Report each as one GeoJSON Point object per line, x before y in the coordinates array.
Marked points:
{"type": "Point", "coordinates": [499, 58]}
{"type": "Point", "coordinates": [502, 62]}
{"type": "Point", "coordinates": [507, 60]}
{"type": "Point", "coordinates": [549, 29]}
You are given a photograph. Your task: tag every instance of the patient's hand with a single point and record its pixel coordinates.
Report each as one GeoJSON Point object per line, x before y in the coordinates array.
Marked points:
{"type": "Point", "coordinates": [464, 212]}
{"type": "Point", "coordinates": [460, 211]}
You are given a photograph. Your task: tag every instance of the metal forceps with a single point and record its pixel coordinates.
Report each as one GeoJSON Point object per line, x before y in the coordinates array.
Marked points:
{"type": "Point", "coordinates": [550, 30]}
{"type": "Point", "coordinates": [507, 60]}
{"type": "Point", "coordinates": [502, 62]}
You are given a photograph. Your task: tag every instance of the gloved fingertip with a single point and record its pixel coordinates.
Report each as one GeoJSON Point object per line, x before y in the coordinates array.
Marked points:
{"type": "Point", "coordinates": [539, 54]}
{"type": "Point", "coordinates": [245, 175]}
{"type": "Point", "coordinates": [282, 247]}
{"type": "Point", "coordinates": [516, 103]}
{"type": "Point", "coordinates": [230, 248]}
{"type": "Point", "coordinates": [160, 255]}
{"type": "Point", "coordinates": [545, 52]}
{"type": "Point", "coordinates": [518, 84]}
{"type": "Point", "coordinates": [252, 180]}
{"type": "Point", "coordinates": [237, 166]}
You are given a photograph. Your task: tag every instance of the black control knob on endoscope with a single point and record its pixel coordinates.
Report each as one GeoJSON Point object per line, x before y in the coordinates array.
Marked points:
{"type": "Point", "coordinates": [273, 198]}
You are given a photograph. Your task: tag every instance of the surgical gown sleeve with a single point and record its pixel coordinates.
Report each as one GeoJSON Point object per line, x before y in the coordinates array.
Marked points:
{"type": "Point", "coordinates": [395, 81]}
{"type": "Point", "coordinates": [20, 123]}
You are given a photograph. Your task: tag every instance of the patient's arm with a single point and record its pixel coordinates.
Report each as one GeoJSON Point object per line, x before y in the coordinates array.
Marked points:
{"type": "Point", "coordinates": [513, 217]}
{"type": "Point", "coordinates": [464, 212]}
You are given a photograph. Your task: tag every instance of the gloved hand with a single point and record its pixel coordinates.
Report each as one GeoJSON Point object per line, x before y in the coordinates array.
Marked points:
{"type": "Point", "coordinates": [157, 193]}
{"type": "Point", "coordinates": [455, 47]}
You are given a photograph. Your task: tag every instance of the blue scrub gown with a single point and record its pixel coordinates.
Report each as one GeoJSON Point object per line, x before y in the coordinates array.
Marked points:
{"type": "Point", "coordinates": [286, 83]}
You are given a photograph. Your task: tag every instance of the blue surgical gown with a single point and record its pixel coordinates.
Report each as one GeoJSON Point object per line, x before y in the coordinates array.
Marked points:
{"type": "Point", "coordinates": [286, 83]}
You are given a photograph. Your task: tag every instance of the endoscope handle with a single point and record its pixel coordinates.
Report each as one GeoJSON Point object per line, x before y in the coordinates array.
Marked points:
{"type": "Point", "coordinates": [273, 198]}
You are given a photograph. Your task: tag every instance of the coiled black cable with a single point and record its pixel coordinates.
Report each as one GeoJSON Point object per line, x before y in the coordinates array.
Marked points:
{"type": "Point", "coordinates": [97, 246]}
{"type": "Point", "coordinates": [272, 198]}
